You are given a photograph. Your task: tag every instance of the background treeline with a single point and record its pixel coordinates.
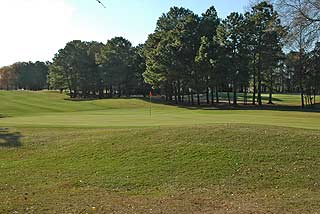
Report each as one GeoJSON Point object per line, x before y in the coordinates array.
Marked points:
{"type": "Point", "coordinates": [192, 58]}
{"type": "Point", "coordinates": [24, 75]}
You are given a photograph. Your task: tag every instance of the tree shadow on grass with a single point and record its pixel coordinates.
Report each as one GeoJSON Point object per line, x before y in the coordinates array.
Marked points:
{"type": "Point", "coordinates": [9, 139]}
{"type": "Point", "coordinates": [225, 106]}
{"type": "Point", "coordinates": [104, 98]}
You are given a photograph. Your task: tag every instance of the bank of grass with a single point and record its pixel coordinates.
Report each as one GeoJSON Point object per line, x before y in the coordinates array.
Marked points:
{"type": "Point", "coordinates": [277, 168]}
{"type": "Point", "coordinates": [60, 156]}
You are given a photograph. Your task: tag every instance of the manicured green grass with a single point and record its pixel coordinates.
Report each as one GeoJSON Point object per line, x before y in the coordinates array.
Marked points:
{"type": "Point", "coordinates": [231, 162]}
{"type": "Point", "coordinates": [60, 156]}
{"type": "Point", "coordinates": [45, 109]}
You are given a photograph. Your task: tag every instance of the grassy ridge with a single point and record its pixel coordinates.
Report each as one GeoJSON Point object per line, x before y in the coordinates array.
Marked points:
{"type": "Point", "coordinates": [161, 161]}
{"type": "Point", "coordinates": [151, 157]}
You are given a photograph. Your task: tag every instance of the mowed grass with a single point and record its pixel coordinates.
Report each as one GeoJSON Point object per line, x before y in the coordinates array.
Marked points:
{"type": "Point", "coordinates": [60, 156]}
{"type": "Point", "coordinates": [49, 109]}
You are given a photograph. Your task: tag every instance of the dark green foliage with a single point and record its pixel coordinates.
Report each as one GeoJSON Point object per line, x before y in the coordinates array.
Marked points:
{"type": "Point", "coordinates": [230, 34]}
{"type": "Point", "coordinates": [117, 66]}
{"type": "Point", "coordinates": [24, 75]}
{"type": "Point", "coordinates": [188, 54]}
{"type": "Point", "coordinates": [92, 69]}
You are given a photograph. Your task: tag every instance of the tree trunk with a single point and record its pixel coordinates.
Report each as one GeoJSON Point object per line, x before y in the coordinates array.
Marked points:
{"type": "Point", "coordinates": [182, 97]}
{"type": "Point", "coordinates": [270, 90]}
{"type": "Point", "coordinates": [171, 92]}
{"type": "Point", "coordinates": [235, 93]}
{"type": "Point", "coordinates": [192, 98]}
{"type": "Point", "coordinates": [301, 78]}
{"type": "Point", "coordinates": [100, 92]}
{"type": "Point", "coordinates": [305, 100]}
{"type": "Point", "coordinates": [254, 82]}
{"type": "Point", "coordinates": [198, 98]}
{"type": "Point", "coordinates": [175, 94]}
{"type": "Point", "coordinates": [179, 92]}
{"type": "Point", "coordinates": [212, 96]}
{"type": "Point", "coordinates": [259, 94]}
{"type": "Point", "coordinates": [119, 91]}
{"type": "Point", "coordinates": [270, 98]}
{"type": "Point", "coordinates": [259, 82]}
{"type": "Point", "coordinates": [75, 94]}
{"type": "Point", "coordinates": [245, 96]}
{"type": "Point", "coordinates": [228, 94]}
{"type": "Point", "coordinates": [111, 91]}
{"type": "Point", "coordinates": [217, 94]}
{"type": "Point", "coordinates": [301, 93]}
{"type": "Point", "coordinates": [207, 96]}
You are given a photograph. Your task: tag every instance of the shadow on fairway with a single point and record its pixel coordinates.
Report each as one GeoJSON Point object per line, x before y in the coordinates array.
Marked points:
{"type": "Point", "coordinates": [216, 106]}
{"type": "Point", "coordinates": [225, 106]}
{"type": "Point", "coordinates": [9, 139]}
{"type": "Point", "coordinates": [104, 98]}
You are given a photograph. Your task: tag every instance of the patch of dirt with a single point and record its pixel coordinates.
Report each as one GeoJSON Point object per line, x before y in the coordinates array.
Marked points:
{"type": "Point", "coordinates": [91, 201]}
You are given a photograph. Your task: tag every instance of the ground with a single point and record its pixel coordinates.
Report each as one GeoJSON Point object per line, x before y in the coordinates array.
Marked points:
{"type": "Point", "coordinates": [111, 156]}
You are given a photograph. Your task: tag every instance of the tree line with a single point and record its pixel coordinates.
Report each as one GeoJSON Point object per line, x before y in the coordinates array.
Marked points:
{"type": "Point", "coordinates": [92, 69]}
{"type": "Point", "coordinates": [24, 75]}
{"type": "Point", "coordinates": [195, 58]}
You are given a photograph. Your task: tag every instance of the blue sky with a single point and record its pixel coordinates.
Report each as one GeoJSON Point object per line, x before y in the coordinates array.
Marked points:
{"type": "Point", "coordinates": [136, 19]}
{"type": "Point", "coordinates": [37, 29]}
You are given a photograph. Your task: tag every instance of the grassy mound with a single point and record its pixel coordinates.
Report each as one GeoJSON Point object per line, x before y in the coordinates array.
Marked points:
{"type": "Point", "coordinates": [276, 166]}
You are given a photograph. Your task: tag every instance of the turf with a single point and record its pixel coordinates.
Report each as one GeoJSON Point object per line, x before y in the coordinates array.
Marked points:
{"type": "Point", "coordinates": [60, 156]}
{"type": "Point", "coordinates": [48, 109]}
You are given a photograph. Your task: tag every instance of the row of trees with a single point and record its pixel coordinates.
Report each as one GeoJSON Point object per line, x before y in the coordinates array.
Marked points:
{"type": "Point", "coordinates": [302, 21]}
{"type": "Point", "coordinates": [193, 55]}
{"type": "Point", "coordinates": [189, 56]}
{"type": "Point", "coordinates": [92, 69]}
{"type": "Point", "coordinates": [24, 75]}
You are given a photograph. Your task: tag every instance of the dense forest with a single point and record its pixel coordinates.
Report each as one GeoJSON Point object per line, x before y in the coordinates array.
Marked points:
{"type": "Point", "coordinates": [24, 75]}
{"type": "Point", "coordinates": [191, 56]}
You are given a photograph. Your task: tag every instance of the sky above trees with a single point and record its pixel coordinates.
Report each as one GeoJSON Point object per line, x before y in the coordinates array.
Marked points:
{"type": "Point", "coordinates": [36, 29]}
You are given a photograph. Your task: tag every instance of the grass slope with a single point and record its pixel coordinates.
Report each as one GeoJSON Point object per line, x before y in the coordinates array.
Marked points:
{"type": "Point", "coordinates": [257, 168]}
{"type": "Point", "coordinates": [177, 161]}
